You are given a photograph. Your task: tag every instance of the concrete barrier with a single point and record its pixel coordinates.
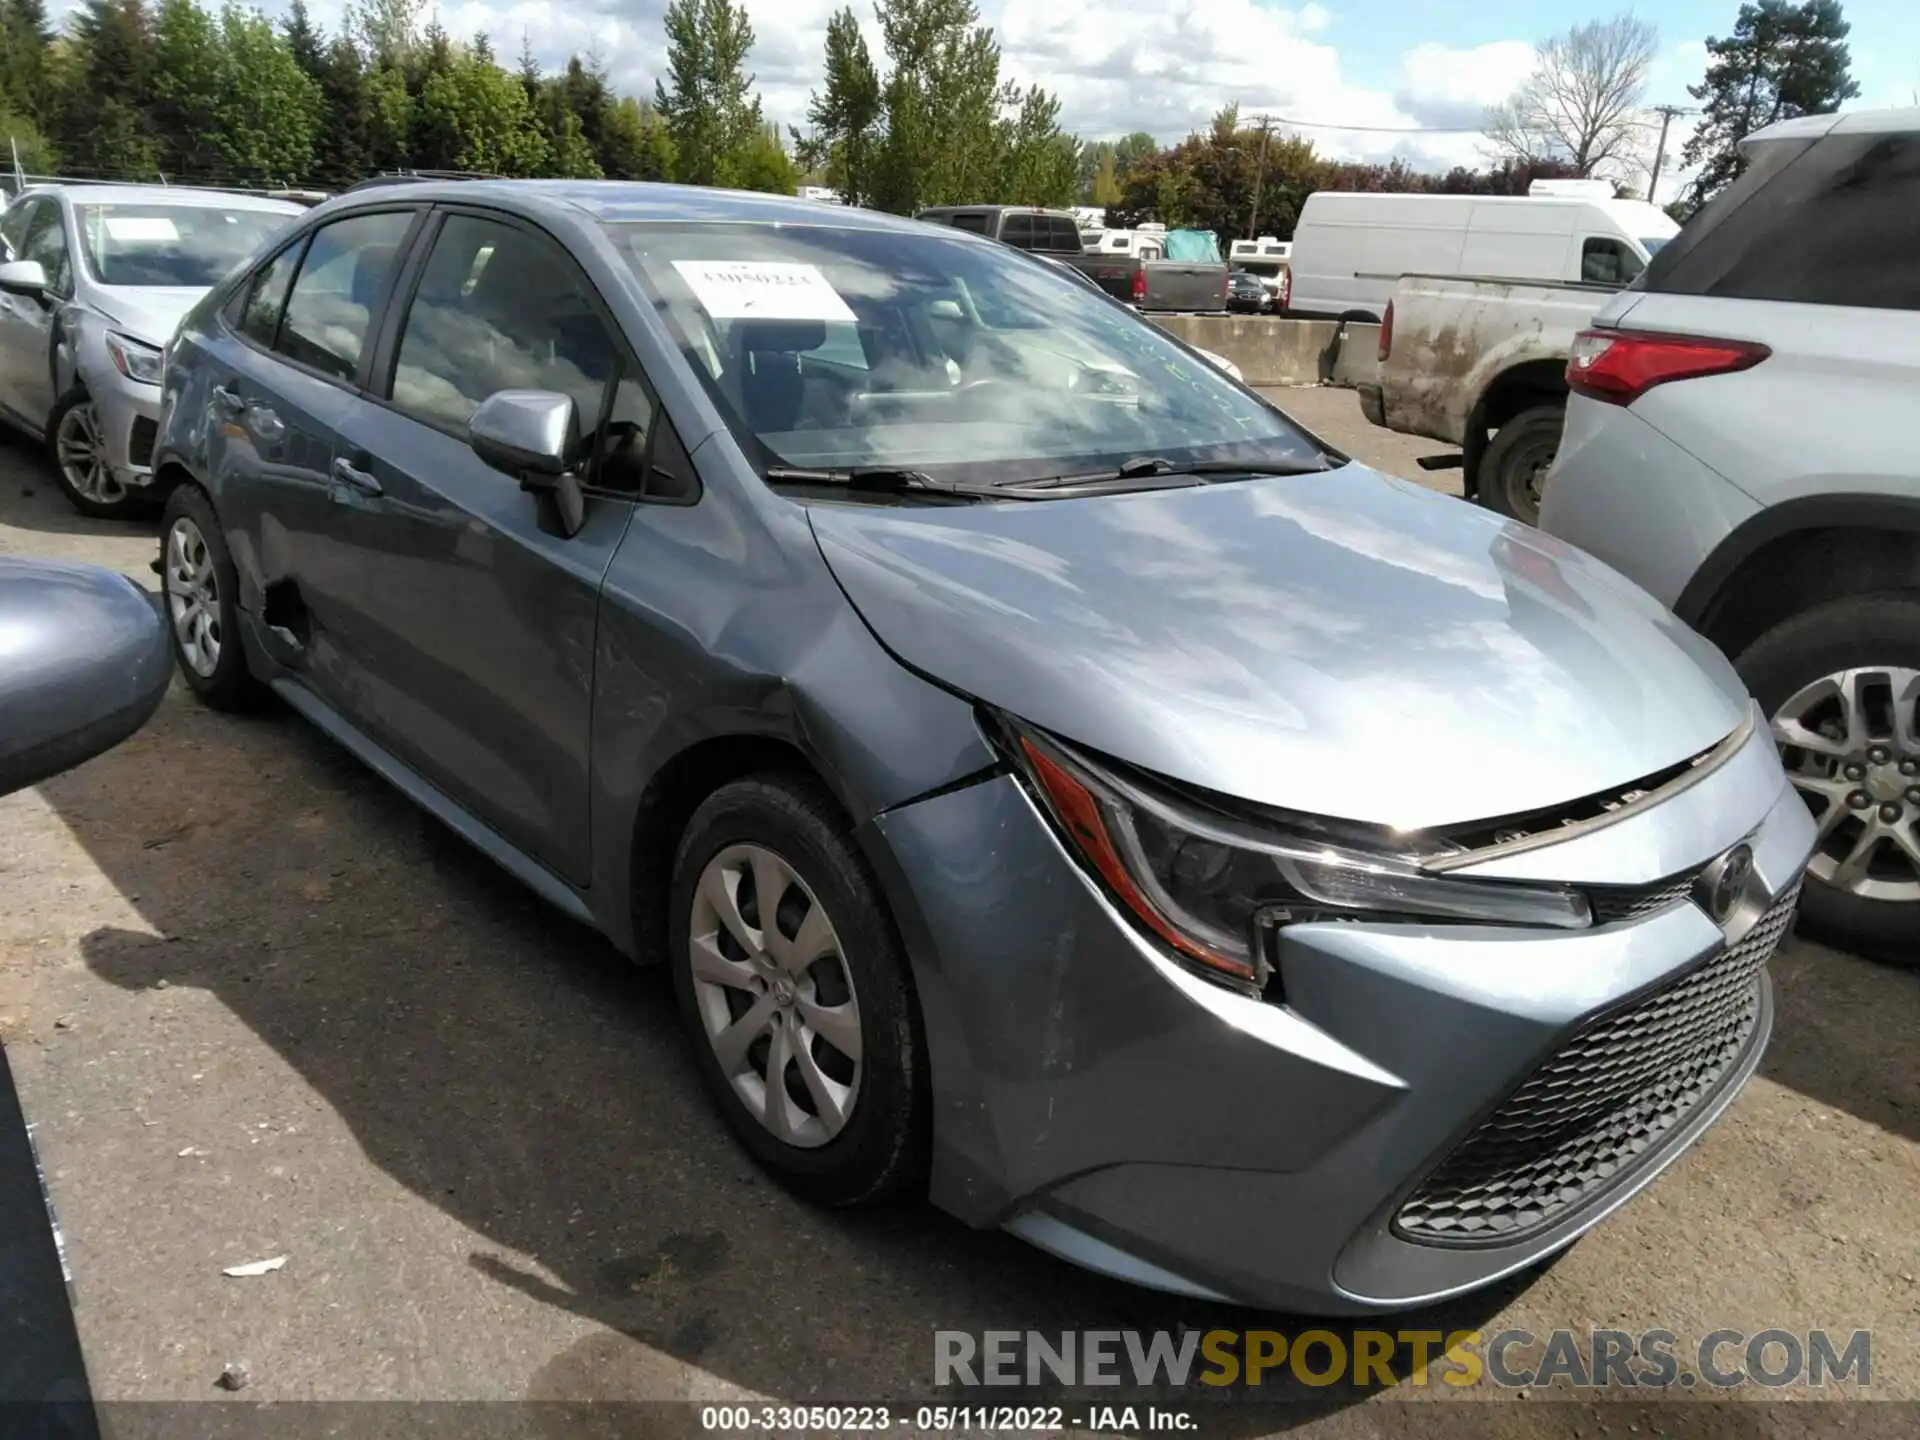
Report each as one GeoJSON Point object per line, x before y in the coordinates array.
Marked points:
{"type": "Point", "coordinates": [1273, 351]}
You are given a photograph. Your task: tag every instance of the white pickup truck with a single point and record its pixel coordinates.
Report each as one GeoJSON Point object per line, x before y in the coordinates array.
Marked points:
{"type": "Point", "coordinates": [1481, 363]}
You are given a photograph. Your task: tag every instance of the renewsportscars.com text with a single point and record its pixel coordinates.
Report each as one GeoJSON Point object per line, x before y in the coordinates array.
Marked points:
{"type": "Point", "coordinates": [1512, 1359]}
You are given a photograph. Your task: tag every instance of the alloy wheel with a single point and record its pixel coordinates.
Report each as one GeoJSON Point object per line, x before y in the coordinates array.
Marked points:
{"type": "Point", "coordinates": [775, 995]}
{"type": "Point", "coordinates": [193, 597]}
{"type": "Point", "coordinates": [83, 458]}
{"type": "Point", "coordinates": [1851, 745]}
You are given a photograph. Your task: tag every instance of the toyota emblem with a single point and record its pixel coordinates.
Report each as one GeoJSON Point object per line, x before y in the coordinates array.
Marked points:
{"type": "Point", "coordinates": [1723, 884]}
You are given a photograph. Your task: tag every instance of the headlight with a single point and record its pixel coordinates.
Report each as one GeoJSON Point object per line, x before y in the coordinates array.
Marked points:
{"type": "Point", "coordinates": [1214, 887]}
{"type": "Point", "coordinates": [136, 359]}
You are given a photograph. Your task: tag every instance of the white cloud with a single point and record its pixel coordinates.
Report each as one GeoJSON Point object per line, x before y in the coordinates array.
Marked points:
{"type": "Point", "coordinates": [1164, 66]}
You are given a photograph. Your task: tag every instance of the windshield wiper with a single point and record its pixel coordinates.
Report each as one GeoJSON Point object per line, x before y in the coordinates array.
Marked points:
{"type": "Point", "coordinates": [879, 479]}
{"type": "Point", "coordinates": [1156, 467]}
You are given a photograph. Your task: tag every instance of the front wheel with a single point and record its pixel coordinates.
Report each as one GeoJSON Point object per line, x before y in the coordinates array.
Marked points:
{"type": "Point", "coordinates": [1513, 471]}
{"type": "Point", "coordinates": [1842, 684]}
{"type": "Point", "coordinates": [78, 451]}
{"type": "Point", "coordinates": [794, 986]}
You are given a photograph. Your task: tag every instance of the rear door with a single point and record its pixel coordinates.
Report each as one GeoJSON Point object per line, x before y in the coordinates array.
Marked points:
{"type": "Point", "coordinates": [474, 617]}
{"type": "Point", "coordinates": [294, 342]}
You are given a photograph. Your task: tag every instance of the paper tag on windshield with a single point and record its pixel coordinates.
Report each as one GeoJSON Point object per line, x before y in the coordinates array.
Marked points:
{"type": "Point", "coordinates": [757, 290]}
{"type": "Point", "coordinates": [133, 229]}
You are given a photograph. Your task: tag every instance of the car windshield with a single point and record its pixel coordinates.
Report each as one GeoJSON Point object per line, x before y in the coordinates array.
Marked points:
{"type": "Point", "coordinates": [1652, 247]}
{"type": "Point", "coordinates": [838, 348]}
{"type": "Point", "coordinates": [183, 245]}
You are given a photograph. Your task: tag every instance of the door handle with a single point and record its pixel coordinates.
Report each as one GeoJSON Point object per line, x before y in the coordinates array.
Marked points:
{"type": "Point", "coordinates": [348, 473]}
{"type": "Point", "coordinates": [227, 400]}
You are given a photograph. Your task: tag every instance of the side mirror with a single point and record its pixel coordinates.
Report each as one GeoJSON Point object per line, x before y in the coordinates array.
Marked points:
{"type": "Point", "coordinates": [24, 277]}
{"type": "Point", "coordinates": [534, 436]}
{"type": "Point", "coordinates": [86, 662]}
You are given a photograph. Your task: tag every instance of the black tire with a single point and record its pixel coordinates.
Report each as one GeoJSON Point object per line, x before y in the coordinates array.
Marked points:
{"type": "Point", "coordinates": [1516, 460]}
{"type": "Point", "coordinates": [882, 1150]}
{"type": "Point", "coordinates": [1856, 633]}
{"type": "Point", "coordinates": [227, 684]}
{"type": "Point", "coordinates": [130, 505]}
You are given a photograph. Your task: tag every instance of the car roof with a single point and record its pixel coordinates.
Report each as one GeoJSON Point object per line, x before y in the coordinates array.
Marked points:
{"type": "Point", "coordinates": [1852, 122]}
{"type": "Point", "coordinates": [628, 202]}
{"type": "Point", "coordinates": [164, 194]}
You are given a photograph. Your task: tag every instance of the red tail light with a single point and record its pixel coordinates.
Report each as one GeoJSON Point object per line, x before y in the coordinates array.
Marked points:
{"type": "Point", "coordinates": [1619, 366]}
{"type": "Point", "coordinates": [1386, 333]}
{"type": "Point", "coordinates": [1139, 282]}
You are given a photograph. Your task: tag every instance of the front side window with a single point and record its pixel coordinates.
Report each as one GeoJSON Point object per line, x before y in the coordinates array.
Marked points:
{"type": "Point", "coordinates": [46, 241]}
{"type": "Point", "coordinates": [980, 365]}
{"type": "Point", "coordinates": [330, 308]}
{"type": "Point", "coordinates": [191, 246]}
{"type": "Point", "coordinates": [1607, 262]}
{"type": "Point", "coordinates": [975, 222]}
{"type": "Point", "coordinates": [13, 227]}
{"type": "Point", "coordinates": [500, 308]}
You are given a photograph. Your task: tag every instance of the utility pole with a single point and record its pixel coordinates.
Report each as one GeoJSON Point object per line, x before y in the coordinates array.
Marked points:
{"type": "Point", "coordinates": [1666, 114]}
{"type": "Point", "coordinates": [1259, 176]}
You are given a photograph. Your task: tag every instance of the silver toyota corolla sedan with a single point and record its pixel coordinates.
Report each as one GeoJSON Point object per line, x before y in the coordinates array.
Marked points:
{"type": "Point", "coordinates": [93, 279]}
{"type": "Point", "coordinates": [1059, 784]}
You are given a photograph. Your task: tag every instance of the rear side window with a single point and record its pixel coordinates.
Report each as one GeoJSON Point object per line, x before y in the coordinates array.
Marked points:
{"type": "Point", "coordinates": [1838, 224]}
{"type": "Point", "coordinates": [1017, 230]}
{"type": "Point", "coordinates": [331, 305]}
{"type": "Point", "coordinates": [266, 298]}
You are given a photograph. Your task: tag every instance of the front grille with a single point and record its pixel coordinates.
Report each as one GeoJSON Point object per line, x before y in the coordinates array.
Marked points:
{"type": "Point", "coordinates": [1614, 904]}
{"type": "Point", "coordinates": [140, 441]}
{"type": "Point", "coordinates": [1600, 1107]}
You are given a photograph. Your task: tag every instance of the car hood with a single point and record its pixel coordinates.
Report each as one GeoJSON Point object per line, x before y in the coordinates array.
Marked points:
{"type": "Point", "coordinates": [149, 313]}
{"type": "Point", "coordinates": [1340, 644]}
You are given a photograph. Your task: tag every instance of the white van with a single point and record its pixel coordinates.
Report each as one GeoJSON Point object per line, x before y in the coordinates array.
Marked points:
{"type": "Point", "coordinates": [1349, 251]}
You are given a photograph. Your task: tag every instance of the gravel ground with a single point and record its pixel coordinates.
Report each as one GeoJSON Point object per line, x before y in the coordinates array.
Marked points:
{"type": "Point", "coordinates": [260, 1006]}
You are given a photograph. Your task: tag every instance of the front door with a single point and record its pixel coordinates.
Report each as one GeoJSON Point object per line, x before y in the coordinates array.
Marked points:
{"type": "Point", "coordinates": [476, 615]}
{"type": "Point", "coordinates": [27, 322]}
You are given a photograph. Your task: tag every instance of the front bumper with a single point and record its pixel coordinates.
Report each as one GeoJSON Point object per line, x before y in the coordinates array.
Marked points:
{"type": "Point", "coordinates": [128, 413]}
{"type": "Point", "coordinates": [1105, 1103]}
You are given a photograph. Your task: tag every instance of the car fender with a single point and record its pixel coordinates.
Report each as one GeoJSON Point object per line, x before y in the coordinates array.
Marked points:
{"type": "Point", "coordinates": [1882, 513]}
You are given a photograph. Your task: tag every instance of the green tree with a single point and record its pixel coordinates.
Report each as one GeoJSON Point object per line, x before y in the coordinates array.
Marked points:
{"type": "Point", "coordinates": [389, 112]}
{"type": "Point", "coordinates": [846, 119]}
{"type": "Point", "coordinates": [473, 115]}
{"type": "Point", "coordinates": [1131, 150]}
{"type": "Point", "coordinates": [344, 148]}
{"type": "Point", "coordinates": [1039, 162]}
{"type": "Point", "coordinates": [386, 31]}
{"type": "Point", "coordinates": [1104, 189]}
{"type": "Point", "coordinates": [270, 110]}
{"type": "Point", "coordinates": [1782, 60]}
{"type": "Point", "coordinates": [763, 164]}
{"type": "Point", "coordinates": [569, 155]}
{"type": "Point", "coordinates": [100, 91]}
{"type": "Point", "coordinates": [943, 99]}
{"type": "Point", "coordinates": [634, 144]}
{"type": "Point", "coordinates": [184, 107]}
{"type": "Point", "coordinates": [24, 38]}
{"type": "Point", "coordinates": [707, 99]}
{"type": "Point", "coordinates": [306, 40]}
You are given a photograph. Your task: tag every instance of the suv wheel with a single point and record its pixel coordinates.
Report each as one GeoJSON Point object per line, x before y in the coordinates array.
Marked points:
{"type": "Point", "coordinates": [1842, 685]}
{"type": "Point", "coordinates": [793, 983]}
{"type": "Point", "coordinates": [1515, 465]}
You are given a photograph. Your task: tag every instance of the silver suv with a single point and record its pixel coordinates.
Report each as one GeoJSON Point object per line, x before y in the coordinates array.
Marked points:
{"type": "Point", "coordinates": [1740, 442]}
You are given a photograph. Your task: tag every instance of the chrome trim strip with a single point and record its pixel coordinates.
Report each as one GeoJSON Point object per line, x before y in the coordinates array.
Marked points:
{"type": "Point", "coordinates": [1559, 835]}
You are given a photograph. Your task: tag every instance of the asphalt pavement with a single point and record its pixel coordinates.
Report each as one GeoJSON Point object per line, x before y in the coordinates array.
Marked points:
{"type": "Point", "coordinates": [258, 1006]}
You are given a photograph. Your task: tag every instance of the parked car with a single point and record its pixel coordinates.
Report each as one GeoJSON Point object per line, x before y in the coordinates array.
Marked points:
{"type": "Point", "coordinates": [990, 740]}
{"type": "Point", "coordinates": [1247, 292]}
{"type": "Point", "coordinates": [1024, 227]}
{"type": "Point", "coordinates": [1349, 250]}
{"type": "Point", "coordinates": [93, 280]}
{"type": "Point", "coordinates": [1482, 364]}
{"type": "Point", "coordinates": [1738, 443]}
{"type": "Point", "coordinates": [1086, 282]}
